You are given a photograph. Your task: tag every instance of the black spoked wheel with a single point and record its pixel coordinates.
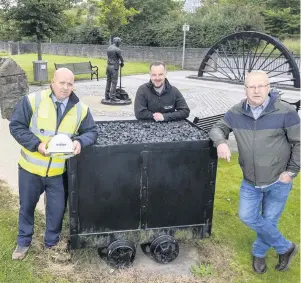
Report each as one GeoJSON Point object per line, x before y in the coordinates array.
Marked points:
{"type": "Point", "coordinates": [232, 57]}
{"type": "Point", "coordinates": [119, 254]}
{"type": "Point", "coordinates": [164, 249]}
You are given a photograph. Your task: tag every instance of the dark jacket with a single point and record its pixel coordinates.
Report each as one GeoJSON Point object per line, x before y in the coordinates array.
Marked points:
{"type": "Point", "coordinates": [114, 56]}
{"type": "Point", "coordinates": [267, 146]}
{"type": "Point", "coordinates": [21, 117]}
{"type": "Point", "coordinates": [170, 102]}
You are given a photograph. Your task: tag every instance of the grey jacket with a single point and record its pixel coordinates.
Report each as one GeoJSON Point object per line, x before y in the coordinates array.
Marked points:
{"type": "Point", "coordinates": [267, 146]}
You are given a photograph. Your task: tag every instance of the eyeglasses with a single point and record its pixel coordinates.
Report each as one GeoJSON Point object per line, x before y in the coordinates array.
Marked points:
{"type": "Point", "coordinates": [253, 87]}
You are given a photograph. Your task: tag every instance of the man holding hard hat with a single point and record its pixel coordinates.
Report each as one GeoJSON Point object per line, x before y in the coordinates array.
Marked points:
{"type": "Point", "coordinates": [37, 118]}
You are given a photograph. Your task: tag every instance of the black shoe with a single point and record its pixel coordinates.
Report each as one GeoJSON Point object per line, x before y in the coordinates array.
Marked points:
{"type": "Point", "coordinates": [285, 259]}
{"type": "Point", "coordinates": [259, 265]}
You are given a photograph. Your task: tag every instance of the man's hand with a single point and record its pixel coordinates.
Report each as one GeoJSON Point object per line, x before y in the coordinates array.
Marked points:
{"type": "Point", "coordinates": [223, 151]}
{"type": "Point", "coordinates": [158, 117]}
{"type": "Point", "coordinates": [43, 149]}
{"type": "Point", "coordinates": [285, 177]}
{"type": "Point", "coordinates": [121, 65]}
{"type": "Point", "coordinates": [76, 147]}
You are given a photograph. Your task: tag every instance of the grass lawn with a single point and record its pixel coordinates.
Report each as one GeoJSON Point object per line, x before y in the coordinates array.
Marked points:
{"type": "Point", "coordinates": [229, 230]}
{"type": "Point", "coordinates": [227, 252]}
{"type": "Point", "coordinates": [25, 62]}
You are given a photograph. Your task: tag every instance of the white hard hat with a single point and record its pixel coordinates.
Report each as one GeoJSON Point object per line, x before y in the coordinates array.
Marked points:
{"type": "Point", "coordinates": [60, 145]}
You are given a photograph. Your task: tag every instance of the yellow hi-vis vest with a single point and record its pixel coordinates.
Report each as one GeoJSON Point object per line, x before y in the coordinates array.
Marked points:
{"type": "Point", "coordinates": [43, 125]}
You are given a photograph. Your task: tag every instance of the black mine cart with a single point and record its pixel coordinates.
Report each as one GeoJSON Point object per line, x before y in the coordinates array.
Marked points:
{"type": "Point", "coordinates": [144, 183]}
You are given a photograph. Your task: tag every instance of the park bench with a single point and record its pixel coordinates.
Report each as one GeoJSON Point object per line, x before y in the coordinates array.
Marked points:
{"type": "Point", "coordinates": [80, 68]}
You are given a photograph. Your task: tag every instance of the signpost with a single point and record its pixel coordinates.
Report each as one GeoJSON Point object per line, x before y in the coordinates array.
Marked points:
{"type": "Point", "coordinates": [185, 28]}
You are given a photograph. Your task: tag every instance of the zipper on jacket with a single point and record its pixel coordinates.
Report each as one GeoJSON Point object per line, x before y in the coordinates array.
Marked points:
{"type": "Point", "coordinates": [254, 151]}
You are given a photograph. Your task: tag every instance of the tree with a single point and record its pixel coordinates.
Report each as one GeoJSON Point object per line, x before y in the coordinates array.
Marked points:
{"type": "Point", "coordinates": [282, 17]}
{"type": "Point", "coordinates": [39, 18]}
{"type": "Point", "coordinates": [141, 28]}
{"type": "Point", "coordinates": [113, 14]}
{"type": "Point", "coordinates": [282, 22]}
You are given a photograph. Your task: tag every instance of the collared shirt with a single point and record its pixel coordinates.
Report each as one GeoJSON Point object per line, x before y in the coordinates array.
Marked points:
{"type": "Point", "coordinates": [63, 102]}
{"type": "Point", "coordinates": [257, 110]}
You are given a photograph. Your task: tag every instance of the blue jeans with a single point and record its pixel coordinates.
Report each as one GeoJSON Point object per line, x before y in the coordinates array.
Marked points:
{"type": "Point", "coordinates": [260, 209]}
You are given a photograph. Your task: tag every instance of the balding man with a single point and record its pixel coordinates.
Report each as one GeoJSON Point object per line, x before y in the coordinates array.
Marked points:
{"type": "Point", "coordinates": [36, 119]}
{"type": "Point", "coordinates": [267, 132]}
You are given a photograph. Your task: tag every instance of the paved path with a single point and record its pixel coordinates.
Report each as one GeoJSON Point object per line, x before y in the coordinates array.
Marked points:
{"type": "Point", "coordinates": [205, 98]}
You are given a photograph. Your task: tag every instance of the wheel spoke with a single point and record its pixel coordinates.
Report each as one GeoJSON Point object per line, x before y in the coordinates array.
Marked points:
{"type": "Point", "coordinates": [278, 67]}
{"type": "Point", "coordinates": [236, 62]}
{"type": "Point", "coordinates": [267, 57]}
{"type": "Point", "coordinates": [243, 58]}
{"type": "Point", "coordinates": [224, 72]}
{"type": "Point", "coordinates": [278, 74]}
{"type": "Point", "coordinates": [229, 66]}
{"type": "Point", "coordinates": [260, 55]}
{"type": "Point", "coordinates": [272, 61]}
{"type": "Point", "coordinates": [212, 75]}
{"type": "Point", "coordinates": [218, 71]}
{"type": "Point", "coordinates": [290, 80]}
{"type": "Point", "coordinates": [251, 63]}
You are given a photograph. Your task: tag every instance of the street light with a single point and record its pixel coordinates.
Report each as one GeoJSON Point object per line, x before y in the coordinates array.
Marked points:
{"type": "Point", "coordinates": [185, 28]}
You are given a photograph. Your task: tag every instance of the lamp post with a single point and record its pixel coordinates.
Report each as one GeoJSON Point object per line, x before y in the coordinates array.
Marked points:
{"type": "Point", "coordinates": [185, 28]}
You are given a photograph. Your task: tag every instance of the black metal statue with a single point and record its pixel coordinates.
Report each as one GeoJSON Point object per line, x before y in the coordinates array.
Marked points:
{"type": "Point", "coordinates": [112, 94]}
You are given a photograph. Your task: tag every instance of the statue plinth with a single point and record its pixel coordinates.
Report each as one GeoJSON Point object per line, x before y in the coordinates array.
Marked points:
{"type": "Point", "coordinates": [116, 102]}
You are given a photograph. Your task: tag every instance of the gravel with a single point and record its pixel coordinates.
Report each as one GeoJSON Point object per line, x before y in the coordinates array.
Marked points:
{"type": "Point", "coordinates": [125, 132]}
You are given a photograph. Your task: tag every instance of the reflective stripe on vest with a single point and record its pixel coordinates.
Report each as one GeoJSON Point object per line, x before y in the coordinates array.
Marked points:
{"type": "Point", "coordinates": [34, 128]}
{"type": "Point", "coordinates": [41, 162]}
{"type": "Point", "coordinates": [42, 125]}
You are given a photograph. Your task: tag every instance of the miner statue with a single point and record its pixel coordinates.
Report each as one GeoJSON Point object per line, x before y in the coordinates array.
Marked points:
{"type": "Point", "coordinates": [112, 94]}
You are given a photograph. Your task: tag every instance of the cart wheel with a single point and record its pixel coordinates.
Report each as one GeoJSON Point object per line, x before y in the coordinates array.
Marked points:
{"type": "Point", "coordinates": [164, 249]}
{"type": "Point", "coordinates": [119, 254]}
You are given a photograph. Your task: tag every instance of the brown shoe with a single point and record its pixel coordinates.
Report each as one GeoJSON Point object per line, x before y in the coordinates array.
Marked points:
{"type": "Point", "coordinates": [285, 259]}
{"type": "Point", "coordinates": [259, 265]}
{"type": "Point", "coordinates": [19, 253]}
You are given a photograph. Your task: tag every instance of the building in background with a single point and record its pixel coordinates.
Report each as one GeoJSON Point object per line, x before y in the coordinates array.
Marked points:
{"type": "Point", "coordinates": [191, 5]}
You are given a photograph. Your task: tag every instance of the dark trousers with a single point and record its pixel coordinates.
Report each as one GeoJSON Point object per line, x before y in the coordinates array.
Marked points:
{"type": "Point", "coordinates": [112, 78]}
{"type": "Point", "coordinates": [31, 186]}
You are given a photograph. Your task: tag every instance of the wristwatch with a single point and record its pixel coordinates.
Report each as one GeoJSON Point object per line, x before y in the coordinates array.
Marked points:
{"type": "Point", "coordinates": [291, 174]}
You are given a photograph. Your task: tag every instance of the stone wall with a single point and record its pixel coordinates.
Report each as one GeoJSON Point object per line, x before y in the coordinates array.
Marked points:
{"type": "Point", "coordinates": [13, 84]}
{"type": "Point", "coordinates": [4, 46]}
{"type": "Point", "coordinates": [170, 55]}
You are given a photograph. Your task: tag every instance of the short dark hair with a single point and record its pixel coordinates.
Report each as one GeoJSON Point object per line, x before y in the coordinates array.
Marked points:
{"type": "Point", "coordinates": [157, 63]}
